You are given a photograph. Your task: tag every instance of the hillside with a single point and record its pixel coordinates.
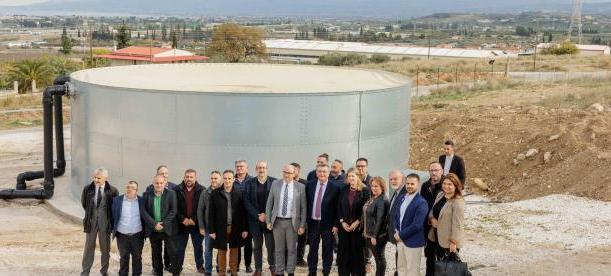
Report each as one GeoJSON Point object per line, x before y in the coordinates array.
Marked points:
{"type": "Point", "coordinates": [496, 125]}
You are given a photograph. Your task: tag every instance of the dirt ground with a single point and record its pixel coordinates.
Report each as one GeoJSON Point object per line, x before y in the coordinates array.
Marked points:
{"type": "Point", "coordinates": [569, 140]}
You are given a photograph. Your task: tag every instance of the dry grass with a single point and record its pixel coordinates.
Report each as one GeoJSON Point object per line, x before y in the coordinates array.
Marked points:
{"type": "Point", "coordinates": [448, 70]}
{"type": "Point", "coordinates": [20, 101]}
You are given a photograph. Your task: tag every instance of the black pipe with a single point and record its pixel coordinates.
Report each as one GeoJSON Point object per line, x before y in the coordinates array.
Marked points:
{"type": "Point", "coordinates": [59, 140]}
{"type": "Point", "coordinates": [51, 97]}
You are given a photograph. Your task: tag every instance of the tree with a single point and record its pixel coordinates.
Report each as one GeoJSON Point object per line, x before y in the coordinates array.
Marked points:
{"type": "Point", "coordinates": [174, 39]}
{"type": "Point", "coordinates": [123, 37]}
{"type": "Point", "coordinates": [29, 70]}
{"type": "Point", "coordinates": [164, 33]}
{"type": "Point", "coordinates": [522, 31]}
{"type": "Point", "coordinates": [66, 42]}
{"type": "Point", "coordinates": [234, 43]}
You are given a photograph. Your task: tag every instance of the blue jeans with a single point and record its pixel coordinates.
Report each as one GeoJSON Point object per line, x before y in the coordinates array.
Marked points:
{"type": "Point", "coordinates": [196, 240]}
{"type": "Point", "coordinates": [208, 254]}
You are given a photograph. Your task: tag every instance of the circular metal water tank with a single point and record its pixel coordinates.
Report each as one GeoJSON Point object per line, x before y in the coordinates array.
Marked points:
{"type": "Point", "coordinates": [131, 119]}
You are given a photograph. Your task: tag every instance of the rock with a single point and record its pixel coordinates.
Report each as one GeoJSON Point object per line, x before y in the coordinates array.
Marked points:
{"type": "Point", "coordinates": [533, 110]}
{"type": "Point", "coordinates": [497, 153]}
{"type": "Point", "coordinates": [531, 153]}
{"type": "Point", "coordinates": [25, 123]}
{"type": "Point", "coordinates": [516, 162]}
{"type": "Point", "coordinates": [597, 107]}
{"type": "Point", "coordinates": [547, 156]}
{"type": "Point", "coordinates": [479, 183]}
{"type": "Point", "coordinates": [604, 155]}
{"type": "Point", "coordinates": [554, 137]}
{"type": "Point", "coordinates": [521, 157]}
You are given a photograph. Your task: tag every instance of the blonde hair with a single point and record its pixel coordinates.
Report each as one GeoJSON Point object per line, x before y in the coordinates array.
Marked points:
{"type": "Point", "coordinates": [359, 181]}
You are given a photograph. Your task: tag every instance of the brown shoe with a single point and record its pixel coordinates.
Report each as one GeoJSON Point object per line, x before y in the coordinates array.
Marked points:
{"type": "Point", "coordinates": [256, 273]}
{"type": "Point", "coordinates": [201, 270]}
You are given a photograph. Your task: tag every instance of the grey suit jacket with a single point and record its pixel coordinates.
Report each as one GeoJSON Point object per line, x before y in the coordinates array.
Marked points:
{"type": "Point", "coordinates": [299, 208]}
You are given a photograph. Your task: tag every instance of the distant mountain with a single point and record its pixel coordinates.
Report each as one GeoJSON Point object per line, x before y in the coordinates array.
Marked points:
{"type": "Point", "coordinates": [321, 8]}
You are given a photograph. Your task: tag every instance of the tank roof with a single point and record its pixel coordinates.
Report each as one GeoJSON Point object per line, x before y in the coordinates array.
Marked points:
{"type": "Point", "coordinates": [241, 78]}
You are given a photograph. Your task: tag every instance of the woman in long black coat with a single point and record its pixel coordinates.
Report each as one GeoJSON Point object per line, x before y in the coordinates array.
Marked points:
{"type": "Point", "coordinates": [350, 254]}
{"type": "Point", "coordinates": [227, 230]}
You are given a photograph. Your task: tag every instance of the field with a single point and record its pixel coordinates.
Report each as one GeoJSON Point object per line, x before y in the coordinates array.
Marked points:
{"type": "Point", "coordinates": [448, 70]}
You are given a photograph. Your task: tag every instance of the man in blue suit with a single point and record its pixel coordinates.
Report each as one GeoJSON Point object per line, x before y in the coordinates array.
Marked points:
{"type": "Point", "coordinates": [128, 228]}
{"type": "Point", "coordinates": [322, 195]}
{"type": "Point", "coordinates": [409, 227]}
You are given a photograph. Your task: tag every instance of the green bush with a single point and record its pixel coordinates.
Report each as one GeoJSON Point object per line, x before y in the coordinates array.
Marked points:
{"type": "Point", "coordinates": [564, 48]}
{"type": "Point", "coordinates": [336, 59]}
{"type": "Point", "coordinates": [378, 58]}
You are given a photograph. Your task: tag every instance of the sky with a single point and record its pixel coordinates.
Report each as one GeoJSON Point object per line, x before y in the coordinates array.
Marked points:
{"type": "Point", "coordinates": [322, 8]}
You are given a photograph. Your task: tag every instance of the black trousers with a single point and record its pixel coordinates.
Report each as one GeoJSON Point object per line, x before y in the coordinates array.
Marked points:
{"type": "Point", "coordinates": [429, 253]}
{"type": "Point", "coordinates": [247, 252]}
{"type": "Point", "coordinates": [350, 253]}
{"type": "Point", "coordinates": [315, 235]}
{"type": "Point", "coordinates": [378, 254]}
{"type": "Point", "coordinates": [130, 245]}
{"type": "Point", "coordinates": [159, 239]}
{"type": "Point", "coordinates": [301, 244]}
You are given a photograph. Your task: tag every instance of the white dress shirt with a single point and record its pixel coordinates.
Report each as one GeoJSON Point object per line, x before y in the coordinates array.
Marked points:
{"type": "Point", "coordinates": [406, 201]}
{"type": "Point", "coordinates": [289, 206]}
{"type": "Point", "coordinates": [324, 188]}
{"type": "Point", "coordinates": [447, 164]}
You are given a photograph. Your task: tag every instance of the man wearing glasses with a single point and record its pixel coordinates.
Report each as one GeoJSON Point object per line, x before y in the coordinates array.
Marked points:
{"type": "Point", "coordinates": [286, 211]}
{"type": "Point", "coordinates": [429, 191]}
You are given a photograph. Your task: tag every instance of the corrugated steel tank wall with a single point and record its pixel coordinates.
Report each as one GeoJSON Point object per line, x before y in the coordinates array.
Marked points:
{"type": "Point", "coordinates": [130, 131]}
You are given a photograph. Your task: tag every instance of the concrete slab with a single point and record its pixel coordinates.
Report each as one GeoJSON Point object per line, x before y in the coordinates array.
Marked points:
{"type": "Point", "coordinates": [63, 202]}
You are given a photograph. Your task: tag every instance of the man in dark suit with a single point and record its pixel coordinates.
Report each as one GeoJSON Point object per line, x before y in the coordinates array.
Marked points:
{"type": "Point", "coordinates": [159, 213]}
{"type": "Point", "coordinates": [337, 173]}
{"type": "Point", "coordinates": [409, 227]}
{"type": "Point", "coordinates": [395, 179]}
{"type": "Point", "coordinates": [429, 191]}
{"type": "Point", "coordinates": [322, 197]}
{"type": "Point", "coordinates": [362, 165]}
{"type": "Point", "coordinates": [163, 171]}
{"type": "Point", "coordinates": [452, 163]}
{"type": "Point", "coordinates": [322, 159]}
{"type": "Point", "coordinates": [187, 196]}
{"type": "Point", "coordinates": [97, 202]}
{"type": "Point", "coordinates": [241, 176]}
{"type": "Point", "coordinates": [255, 200]}
{"type": "Point", "coordinates": [128, 228]}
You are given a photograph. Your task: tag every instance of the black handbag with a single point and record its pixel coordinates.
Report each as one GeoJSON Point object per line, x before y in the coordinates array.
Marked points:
{"type": "Point", "coordinates": [451, 265]}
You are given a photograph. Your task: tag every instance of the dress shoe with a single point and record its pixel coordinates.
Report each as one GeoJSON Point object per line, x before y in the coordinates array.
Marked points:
{"type": "Point", "coordinates": [256, 273]}
{"type": "Point", "coordinates": [302, 263]}
{"type": "Point", "coordinates": [249, 270]}
{"type": "Point", "coordinates": [201, 270]}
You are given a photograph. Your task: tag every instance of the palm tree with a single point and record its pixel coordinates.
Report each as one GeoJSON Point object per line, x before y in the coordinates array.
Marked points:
{"type": "Point", "coordinates": [29, 70]}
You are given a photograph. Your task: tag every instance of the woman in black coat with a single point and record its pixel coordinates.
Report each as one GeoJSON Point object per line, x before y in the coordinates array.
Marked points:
{"type": "Point", "coordinates": [350, 254]}
{"type": "Point", "coordinates": [374, 220]}
{"type": "Point", "coordinates": [227, 230]}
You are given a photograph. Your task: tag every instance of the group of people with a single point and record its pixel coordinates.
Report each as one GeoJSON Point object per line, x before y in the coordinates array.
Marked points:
{"type": "Point", "coordinates": [348, 213]}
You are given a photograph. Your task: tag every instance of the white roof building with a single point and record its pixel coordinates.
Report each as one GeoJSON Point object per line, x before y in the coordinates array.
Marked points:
{"type": "Point", "coordinates": [287, 47]}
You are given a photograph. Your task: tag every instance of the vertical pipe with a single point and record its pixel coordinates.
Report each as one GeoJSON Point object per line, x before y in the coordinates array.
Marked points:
{"type": "Point", "coordinates": [47, 102]}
